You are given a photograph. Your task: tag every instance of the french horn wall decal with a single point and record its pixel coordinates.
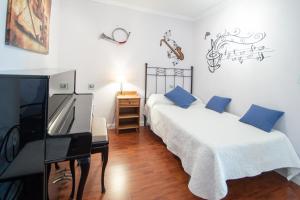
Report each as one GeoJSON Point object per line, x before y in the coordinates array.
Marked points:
{"type": "Point", "coordinates": [234, 46]}
{"type": "Point", "coordinates": [114, 36]}
{"type": "Point", "coordinates": [174, 51]}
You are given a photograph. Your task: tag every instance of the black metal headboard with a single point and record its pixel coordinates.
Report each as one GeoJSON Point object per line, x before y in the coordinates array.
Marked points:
{"type": "Point", "coordinates": [161, 76]}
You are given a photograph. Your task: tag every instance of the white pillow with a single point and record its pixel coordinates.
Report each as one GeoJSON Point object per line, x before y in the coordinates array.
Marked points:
{"type": "Point", "coordinates": [155, 99]}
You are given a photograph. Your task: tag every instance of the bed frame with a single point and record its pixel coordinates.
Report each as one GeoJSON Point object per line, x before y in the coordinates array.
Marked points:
{"type": "Point", "coordinates": [170, 76]}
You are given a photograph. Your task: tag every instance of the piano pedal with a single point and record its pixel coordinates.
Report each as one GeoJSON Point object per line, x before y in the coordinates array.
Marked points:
{"type": "Point", "coordinates": [62, 175]}
{"type": "Point", "coordinates": [61, 179]}
{"type": "Point", "coordinates": [60, 171]}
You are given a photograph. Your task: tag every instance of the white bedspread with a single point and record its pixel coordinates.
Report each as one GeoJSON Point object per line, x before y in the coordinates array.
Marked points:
{"type": "Point", "coordinates": [217, 147]}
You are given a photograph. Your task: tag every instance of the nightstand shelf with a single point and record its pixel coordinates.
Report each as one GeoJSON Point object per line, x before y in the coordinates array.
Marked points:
{"type": "Point", "coordinates": [128, 126]}
{"type": "Point", "coordinates": [128, 116]}
{"type": "Point", "coordinates": [127, 111]}
{"type": "Point", "coordinates": [129, 106]}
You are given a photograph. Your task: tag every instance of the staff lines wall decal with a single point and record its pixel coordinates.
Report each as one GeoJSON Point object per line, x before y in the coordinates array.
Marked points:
{"type": "Point", "coordinates": [234, 46]}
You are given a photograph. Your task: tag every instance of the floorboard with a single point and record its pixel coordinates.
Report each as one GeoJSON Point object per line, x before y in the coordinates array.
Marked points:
{"type": "Point", "coordinates": [141, 168]}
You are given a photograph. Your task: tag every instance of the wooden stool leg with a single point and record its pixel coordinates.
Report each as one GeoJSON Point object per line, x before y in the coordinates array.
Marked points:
{"type": "Point", "coordinates": [104, 163]}
{"type": "Point", "coordinates": [72, 169]}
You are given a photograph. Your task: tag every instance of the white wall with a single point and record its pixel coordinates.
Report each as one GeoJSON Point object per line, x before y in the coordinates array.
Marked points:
{"type": "Point", "coordinates": [12, 57]}
{"type": "Point", "coordinates": [76, 25]}
{"type": "Point", "coordinates": [274, 82]}
{"type": "Point", "coordinates": [100, 61]}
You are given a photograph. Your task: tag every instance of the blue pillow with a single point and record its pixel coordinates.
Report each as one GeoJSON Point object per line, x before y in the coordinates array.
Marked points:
{"type": "Point", "coordinates": [180, 97]}
{"type": "Point", "coordinates": [218, 104]}
{"type": "Point", "coordinates": [262, 118]}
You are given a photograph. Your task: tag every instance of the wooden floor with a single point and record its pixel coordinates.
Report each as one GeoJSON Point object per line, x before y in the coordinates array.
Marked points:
{"type": "Point", "coordinates": [141, 168]}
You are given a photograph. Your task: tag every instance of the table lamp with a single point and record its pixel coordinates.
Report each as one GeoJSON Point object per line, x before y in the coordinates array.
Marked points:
{"type": "Point", "coordinates": [121, 80]}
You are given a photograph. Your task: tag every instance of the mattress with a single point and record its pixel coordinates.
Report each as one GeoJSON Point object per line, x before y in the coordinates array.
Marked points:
{"type": "Point", "coordinates": [216, 147]}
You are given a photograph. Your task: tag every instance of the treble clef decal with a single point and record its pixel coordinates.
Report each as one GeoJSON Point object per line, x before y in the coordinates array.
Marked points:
{"type": "Point", "coordinates": [213, 58]}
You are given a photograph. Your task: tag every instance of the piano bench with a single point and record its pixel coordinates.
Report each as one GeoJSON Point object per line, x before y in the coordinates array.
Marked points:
{"type": "Point", "coordinates": [100, 144]}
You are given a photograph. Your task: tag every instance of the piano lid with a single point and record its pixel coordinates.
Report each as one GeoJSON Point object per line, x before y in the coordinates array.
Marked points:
{"type": "Point", "coordinates": [41, 73]}
{"type": "Point", "coordinates": [83, 113]}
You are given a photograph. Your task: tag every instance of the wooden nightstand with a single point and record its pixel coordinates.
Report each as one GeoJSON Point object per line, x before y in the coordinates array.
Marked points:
{"type": "Point", "coordinates": [127, 111]}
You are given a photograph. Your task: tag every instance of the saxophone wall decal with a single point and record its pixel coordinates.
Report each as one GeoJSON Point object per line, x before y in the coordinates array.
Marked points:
{"type": "Point", "coordinates": [174, 51]}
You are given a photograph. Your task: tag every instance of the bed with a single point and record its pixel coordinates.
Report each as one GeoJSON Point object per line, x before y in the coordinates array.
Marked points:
{"type": "Point", "coordinates": [216, 147]}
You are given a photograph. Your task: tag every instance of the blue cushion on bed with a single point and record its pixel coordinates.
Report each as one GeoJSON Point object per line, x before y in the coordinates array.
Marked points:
{"type": "Point", "coordinates": [262, 118]}
{"type": "Point", "coordinates": [218, 104]}
{"type": "Point", "coordinates": [180, 97]}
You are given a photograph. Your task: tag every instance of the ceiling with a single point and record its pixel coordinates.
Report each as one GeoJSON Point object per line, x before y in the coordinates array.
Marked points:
{"type": "Point", "coordinates": [184, 9]}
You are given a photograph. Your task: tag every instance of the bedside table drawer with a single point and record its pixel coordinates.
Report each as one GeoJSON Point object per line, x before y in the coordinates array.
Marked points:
{"type": "Point", "coordinates": [129, 102]}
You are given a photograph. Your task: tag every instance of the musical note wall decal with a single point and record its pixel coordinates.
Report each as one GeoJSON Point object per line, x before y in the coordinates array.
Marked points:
{"type": "Point", "coordinates": [234, 46]}
{"type": "Point", "coordinates": [206, 35]}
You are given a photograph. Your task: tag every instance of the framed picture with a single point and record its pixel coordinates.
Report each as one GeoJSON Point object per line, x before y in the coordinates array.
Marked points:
{"type": "Point", "coordinates": [27, 24]}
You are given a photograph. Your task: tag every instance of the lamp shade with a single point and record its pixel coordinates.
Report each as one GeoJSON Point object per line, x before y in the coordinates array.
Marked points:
{"type": "Point", "coordinates": [120, 78]}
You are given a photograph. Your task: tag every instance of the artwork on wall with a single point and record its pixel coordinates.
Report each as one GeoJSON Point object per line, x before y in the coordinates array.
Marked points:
{"type": "Point", "coordinates": [235, 46]}
{"type": "Point", "coordinates": [174, 51]}
{"type": "Point", "coordinates": [27, 24]}
{"type": "Point", "coordinates": [118, 36]}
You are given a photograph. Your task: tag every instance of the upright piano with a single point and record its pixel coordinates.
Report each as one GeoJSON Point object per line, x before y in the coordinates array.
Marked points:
{"type": "Point", "coordinates": [42, 121]}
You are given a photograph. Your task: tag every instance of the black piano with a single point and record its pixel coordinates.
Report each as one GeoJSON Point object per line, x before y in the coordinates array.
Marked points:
{"type": "Point", "coordinates": [42, 121]}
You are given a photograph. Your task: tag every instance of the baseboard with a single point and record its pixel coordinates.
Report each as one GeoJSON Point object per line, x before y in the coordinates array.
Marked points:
{"type": "Point", "coordinates": [296, 179]}
{"type": "Point", "coordinates": [111, 126]}
{"type": "Point", "coordinates": [283, 173]}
